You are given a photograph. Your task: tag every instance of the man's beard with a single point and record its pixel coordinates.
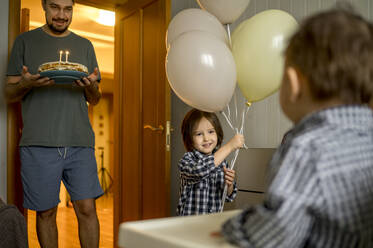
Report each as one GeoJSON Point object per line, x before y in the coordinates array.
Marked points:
{"type": "Point", "coordinates": [55, 30]}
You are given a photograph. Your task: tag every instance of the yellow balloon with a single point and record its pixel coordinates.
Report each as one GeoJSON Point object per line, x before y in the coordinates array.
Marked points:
{"type": "Point", "coordinates": [257, 46]}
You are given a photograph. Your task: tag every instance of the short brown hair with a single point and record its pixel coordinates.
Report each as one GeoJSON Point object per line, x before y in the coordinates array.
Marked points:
{"type": "Point", "coordinates": [191, 119]}
{"type": "Point", "coordinates": [45, 1]}
{"type": "Point", "coordinates": [334, 52]}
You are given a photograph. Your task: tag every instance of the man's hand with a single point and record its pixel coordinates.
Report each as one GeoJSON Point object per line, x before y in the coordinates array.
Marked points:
{"type": "Point", "coordinates": [17, 87]}
{"type": "Point", "coordinates": [29, 80]}
{"type": "Point", "coordinates": [89, 81]}
{"type": "Point", "coordinates": [91, 89]}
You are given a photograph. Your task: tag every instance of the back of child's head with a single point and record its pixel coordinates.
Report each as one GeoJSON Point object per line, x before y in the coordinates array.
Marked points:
{"type": "Point", "coordinates": [333, 50]}
{"type": "Point", "coordinates": [191, 119]}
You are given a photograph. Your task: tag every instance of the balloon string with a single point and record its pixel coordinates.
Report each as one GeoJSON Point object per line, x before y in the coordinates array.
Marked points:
{"type": "Point", "coordinates": [229, 111]}
{"type": "Point", "coordinates": [235, 110]}
{"type": "Point", "coordinates": [229, 35]}
{"type": "Point", "coordinates": [228, 120]}
{"type": "Point", "coordinates": [226, 186]}
{"type": "Point", "coordinates": [233, 162]}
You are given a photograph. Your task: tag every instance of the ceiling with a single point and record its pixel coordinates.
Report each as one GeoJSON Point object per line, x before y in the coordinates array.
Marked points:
{"type": "Point", "coordinates": [106, 4]}
{"type": "Point", "coordinates": [84, 24]}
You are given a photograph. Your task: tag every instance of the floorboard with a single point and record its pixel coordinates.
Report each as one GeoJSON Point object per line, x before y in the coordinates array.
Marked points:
{"type": "Point", "coordinates": [68, 225]}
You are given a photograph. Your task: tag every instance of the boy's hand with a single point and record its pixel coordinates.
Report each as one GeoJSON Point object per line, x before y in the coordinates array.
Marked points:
{"type": "Point", "coordinates": [229, 176]}
{"type": "Point", "coordinates": [237, 141]}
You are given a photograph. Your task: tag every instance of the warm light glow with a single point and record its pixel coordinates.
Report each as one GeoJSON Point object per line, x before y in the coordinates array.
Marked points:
{"type": "Point", "coordinates": [106, 17]}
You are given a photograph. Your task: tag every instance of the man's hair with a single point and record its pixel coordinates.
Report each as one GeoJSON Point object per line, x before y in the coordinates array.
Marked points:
{"type": "Point", "coordinates": [334, 52]}
{"type": "Point", "coordinates": [191, 119]}
{"type": "Point", "coordinates": [45, 1]}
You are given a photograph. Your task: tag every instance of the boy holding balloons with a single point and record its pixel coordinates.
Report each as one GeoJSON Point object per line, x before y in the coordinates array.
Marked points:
{"type": "Point", "coordinates": [321, 190]}
{"type": "Point", "coordinates": [203, 169]}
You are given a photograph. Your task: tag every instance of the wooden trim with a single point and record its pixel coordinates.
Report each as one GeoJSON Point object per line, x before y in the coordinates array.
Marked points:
{"type": "Point", "coordinates": [131, 6]}
{"type": "Point", "coordinates": [14, 184]}
{"type": "Point", "coordinates": [168, 116]}
{"type": "Point", "coordinates": [108, 5]}
{"type": "Point", "coordinates": [25, 20]}
{"type": "Point", "coordinates": [118, 122]}
{"type": "Point", "coordinates": [140, 120]}
{"type": "Point", "coordinates": [14, 22]}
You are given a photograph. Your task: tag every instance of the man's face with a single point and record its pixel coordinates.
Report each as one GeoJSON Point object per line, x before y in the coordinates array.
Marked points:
{"type": "Point", "coordinates": [58, 14]}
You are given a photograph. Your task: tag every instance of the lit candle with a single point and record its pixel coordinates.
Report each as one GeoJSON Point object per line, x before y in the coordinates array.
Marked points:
{"type": "Point", "coordinates": [61, 52]}
{"type": "Point", "coordinates": [67, 55]}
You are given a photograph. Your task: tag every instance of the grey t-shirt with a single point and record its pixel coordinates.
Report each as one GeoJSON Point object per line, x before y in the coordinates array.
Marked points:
{"type": "Point", "coordinates": [57, 115]}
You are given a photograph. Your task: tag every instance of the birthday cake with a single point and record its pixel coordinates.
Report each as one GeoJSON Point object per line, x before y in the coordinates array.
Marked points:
{"type": "Point", "coordinates": [62, 66]}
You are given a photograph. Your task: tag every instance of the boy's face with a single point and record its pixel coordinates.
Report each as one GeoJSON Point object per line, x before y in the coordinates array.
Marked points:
{"type": "Point", "coordinates": [58, 15]}
{"type": "Point", "coordinates": [205, 138]}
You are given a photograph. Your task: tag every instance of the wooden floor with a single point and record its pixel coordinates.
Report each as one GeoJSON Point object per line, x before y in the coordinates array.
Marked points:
{"type": "Point", "coordinates": [68, 225]}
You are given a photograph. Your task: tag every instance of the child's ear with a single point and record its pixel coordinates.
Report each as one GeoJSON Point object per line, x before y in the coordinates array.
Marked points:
{"type": "Point", "coordinates": [294, 82]}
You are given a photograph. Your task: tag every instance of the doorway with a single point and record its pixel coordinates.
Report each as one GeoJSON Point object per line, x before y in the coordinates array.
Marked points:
{"type": "Point", "coordinates": [91, 25]}
{"type": "Point", "coordinates": [141, 103]}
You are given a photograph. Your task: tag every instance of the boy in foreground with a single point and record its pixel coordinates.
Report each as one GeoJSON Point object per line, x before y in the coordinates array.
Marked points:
{"type": "Point", "coordinates": [321, 187]}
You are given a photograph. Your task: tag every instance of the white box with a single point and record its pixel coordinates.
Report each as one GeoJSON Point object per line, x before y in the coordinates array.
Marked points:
{"type": "Point", "coordinates": [175, 232]}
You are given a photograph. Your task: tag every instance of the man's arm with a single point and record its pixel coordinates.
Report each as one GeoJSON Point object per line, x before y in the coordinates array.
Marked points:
{"type": "Point", "coordinates": [17, 87]}
{"type": "Point", "coordinates": [91, 87]}
{"type": "Point", "coordinates": [93, 93]}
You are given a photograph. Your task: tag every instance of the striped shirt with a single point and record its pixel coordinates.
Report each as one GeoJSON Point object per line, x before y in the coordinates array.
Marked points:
{"type": "Point", "coordinates": [321, 190]}
{"type": "Point", "coordinates": [201, 184]}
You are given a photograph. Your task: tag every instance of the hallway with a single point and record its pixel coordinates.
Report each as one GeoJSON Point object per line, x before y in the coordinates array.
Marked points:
{"type": "Point", "coordinates": [68, 225]}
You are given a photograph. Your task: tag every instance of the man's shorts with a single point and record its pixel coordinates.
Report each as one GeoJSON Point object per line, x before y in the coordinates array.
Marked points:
{"type": "Point", "coordinates": [43, 168]}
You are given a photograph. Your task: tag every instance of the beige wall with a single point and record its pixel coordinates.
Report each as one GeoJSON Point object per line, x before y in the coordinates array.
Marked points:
{"type": "Point", "coordinates": [265, 123]}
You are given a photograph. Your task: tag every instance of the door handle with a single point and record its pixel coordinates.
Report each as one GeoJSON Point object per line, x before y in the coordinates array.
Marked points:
{"type": "Point", "coordinates": [160, 128]}
{"type": "Point", "coordinates": [169, 129]}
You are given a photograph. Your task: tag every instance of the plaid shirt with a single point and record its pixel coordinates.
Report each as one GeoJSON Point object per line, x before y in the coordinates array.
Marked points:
{"type": "Point", "coordinates": [201, 184]}
{"type": "Point", "coordinates": [321, 191]}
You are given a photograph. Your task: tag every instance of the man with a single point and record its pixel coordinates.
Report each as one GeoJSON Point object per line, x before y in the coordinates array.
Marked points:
{"type": "Point", "coordinates": [57, 140]}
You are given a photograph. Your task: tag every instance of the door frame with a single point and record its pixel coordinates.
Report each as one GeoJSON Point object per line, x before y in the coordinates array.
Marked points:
{"type": "Point", "coordinates": [14, 189]}
{"type": "Point", "coordinates": [121, 199]}
{"type": "Point", "coordinates": [14, 185]}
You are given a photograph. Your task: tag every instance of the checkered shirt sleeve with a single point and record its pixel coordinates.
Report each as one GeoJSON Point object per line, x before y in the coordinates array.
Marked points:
{"type": "Point", "coordinates": [201, 184]}
{"type": "Point", "coordinates": [321, 191]}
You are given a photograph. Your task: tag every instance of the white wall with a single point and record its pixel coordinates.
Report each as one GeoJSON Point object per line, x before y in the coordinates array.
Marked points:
{"type": "Point", "coordinates": [4, 9]}
{"type": "Point", "coordinates": [265, 123]}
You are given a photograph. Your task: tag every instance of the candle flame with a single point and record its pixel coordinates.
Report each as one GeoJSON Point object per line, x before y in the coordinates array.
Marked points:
{"type": "Point", "coordinates": [61, 52]}
{"type": "Point", "coordinates": [67, 55]}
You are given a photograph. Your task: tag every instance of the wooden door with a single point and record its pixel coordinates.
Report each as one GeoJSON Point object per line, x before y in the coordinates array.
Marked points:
{"type": "Point", "coordinates": [142, 109]}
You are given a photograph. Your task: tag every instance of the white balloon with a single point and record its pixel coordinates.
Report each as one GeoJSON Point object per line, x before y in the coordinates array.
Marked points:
{"type": "Point", "coordinates": [195, 19]}
{"type": "Point", "coordinates": [227, 11]}
{"type": "Point", "coordinates": [201, 71]}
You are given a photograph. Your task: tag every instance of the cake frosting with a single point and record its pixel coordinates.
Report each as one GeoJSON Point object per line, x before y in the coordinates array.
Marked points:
{"type": "Point", "coordinates": [62, 66]}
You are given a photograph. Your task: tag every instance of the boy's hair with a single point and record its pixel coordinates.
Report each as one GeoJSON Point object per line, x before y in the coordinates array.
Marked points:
{"type": "Point", "coordinates": [334, 52]}
{"type": "Point", "coordinates": [191, 119]}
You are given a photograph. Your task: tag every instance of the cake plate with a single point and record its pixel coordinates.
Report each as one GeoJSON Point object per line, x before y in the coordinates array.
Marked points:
{"type": "Point", "coordinates": [63, 76]}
